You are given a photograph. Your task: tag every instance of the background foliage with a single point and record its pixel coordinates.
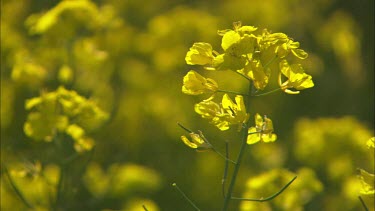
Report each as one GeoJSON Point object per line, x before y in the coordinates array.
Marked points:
{"type": "Point", "coordinates": [127, 58]}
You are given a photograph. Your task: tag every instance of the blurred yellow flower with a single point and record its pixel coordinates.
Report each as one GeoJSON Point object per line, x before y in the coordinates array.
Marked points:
{"type": "Point", "coordinates": [263, 131]}
{"type": "Point", "coordinates": [195, 84]}
{"type": "Point", "coordinates": [299, 193]}
{"type": "Point", "coordinates": [41, 23]}
{"type": "Point", "coordinates": [371, 143]}
{"type": "Point", "coordinates": [136, 204]}
{"type": "Point", "coordinates": [125, 179]}
{"type": "Point", "coordinates": [81, 141]}
{"type": "Point", "coordinates": [35, 182]}
{"type": "Point", "coordinates": [56, 111]}
{"type": "Point", "coordinates": [65, 74]}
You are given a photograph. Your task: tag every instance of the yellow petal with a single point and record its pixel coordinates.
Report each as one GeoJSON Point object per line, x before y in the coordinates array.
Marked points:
{"type": "Point", "coordinates": [247, 29]}
{"type": "Point", "coordinates": [258, 121]}
{"type": "Point", "coordinates": [371, 143]}
{"type": "Point", "coordinates": [229, 39]}
{"type": "Point", "coordinates": [199, 54]}
{"type": "Point", "coordinates": [299, 53]}
{"type": "Point", "coordinates": [253, 138]}
{"type": "Point", "coordinates": [269, 137]}
{"type": "Point", "coordinates": [188, 142]}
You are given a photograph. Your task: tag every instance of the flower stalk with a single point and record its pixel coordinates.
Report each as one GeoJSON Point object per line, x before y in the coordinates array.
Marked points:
{"type": "Point", "coordinates": [244, 51]}
{"type": "Point", "coordinates": [238, 161]}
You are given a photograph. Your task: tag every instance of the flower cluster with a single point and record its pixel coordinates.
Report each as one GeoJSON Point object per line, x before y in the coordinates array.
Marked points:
{"type": "Point", "coordinates": [63, 111]}
{"type": "Point", "coordinates": [254, 54]}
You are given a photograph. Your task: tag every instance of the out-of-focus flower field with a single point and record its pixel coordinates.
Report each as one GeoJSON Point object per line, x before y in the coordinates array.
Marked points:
{"type": "Point", "coordinates": [91, 96]}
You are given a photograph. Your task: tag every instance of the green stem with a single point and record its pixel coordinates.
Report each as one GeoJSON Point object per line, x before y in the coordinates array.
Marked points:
{"type": "Point", "coordinates": [221, 155]}
{"type": "Point", "coordinates": [144, 207]}
{"type": "Point", "coordinates": [185, 128]}
{"type": "Point", "coordinates": [223, 181]}
{"type": "Point", "coordinates": [186, 198]}
{"type": "Point", "coordinates": [270, 197]}
{"type": "Point", "coordinates": [16, 190]}
{"type": "Point", "coordinates": [214, 149]}
{"type": "Point", "coordinates": [266, 93]}
{"type": "Point", "coordinates": [231, 92]}
{"type": "Point", "coordinates": [236, 169]}
{"type": "Point", "coordinates": [228, 196]}
{"type": "Point", "coordinates": [363, 203]}
{"type": "Point", "coordinates": [59, 188]}
{"type": "Point", "coordinates": [242, 75]}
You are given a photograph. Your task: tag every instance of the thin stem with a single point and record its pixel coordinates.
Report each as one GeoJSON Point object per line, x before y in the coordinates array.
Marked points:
{"type": "Point", "coordinates": [221, 155]}
{"type": "Point", "coordinates": [16, 190]}
{"type": "Point", "coordinates": [144, 207]}
{"type": "Point", "coordinates": [242, 75]}
{"type": "Point", "coordinates": [214, 149]}
{"type": "Point", "coordinates": [228, 196]}
{"type": "Point", "coordinates": [186, 198]}
{"type": "Point", "coordinates": [59, 187]}
{"type": "Point", "coordinates": [270, 197]}
{"type": "Point", "coordinates": [185, 128]}
{"type": "Point", "coordinates": [223, 181]}
{"type": "Point", "coordinates": [204, 138]}
{"type": "Point", "coordinates": [363, 203]}
{"type": "Point", "coordinates": [231, 92]}
{"type": "Point", "coordinates": [266, 93]}
{"type": "Point", "coordinates": [70, 159]}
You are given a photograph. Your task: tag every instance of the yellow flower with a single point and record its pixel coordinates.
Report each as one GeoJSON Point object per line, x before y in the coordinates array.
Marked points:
{"type": "Point", "coordinates": [81, 141]}
{"type": "Point", "coordinates": [55, 112]}
{"type": "Point", "coordinates": [195, 84]}
{"type": "Point", "coordinates": [367, 183]}
{"type": "Point", "coordinates": [263, 131]}
{"type": "Point", "coordinates": [236, 110]}
{"type": "Point", "coordinates": [290, 46]}
{"type": "Point", "coordinates": [200, 53]}
{"type": "Point", "coordinates": [212, 111]}
{"type": "Point", "coordinates": [229, 38]}
{"type": "Point", "coordinates": [197, 141]}
{"type": "Point", "coordinates": [297, 78]}
{"type": "Point", "coordinates": [257, 73]}
{"type": "Point", "coordinates": [283, 45]}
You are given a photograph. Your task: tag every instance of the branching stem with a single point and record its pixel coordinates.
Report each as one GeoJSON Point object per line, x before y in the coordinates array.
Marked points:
{"type": "Point", "coordinates": [266, 93]}
{"type": "Point", "coordinates": [270, 197]}
{"type": "Point", "coordinates": [231, 92]}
